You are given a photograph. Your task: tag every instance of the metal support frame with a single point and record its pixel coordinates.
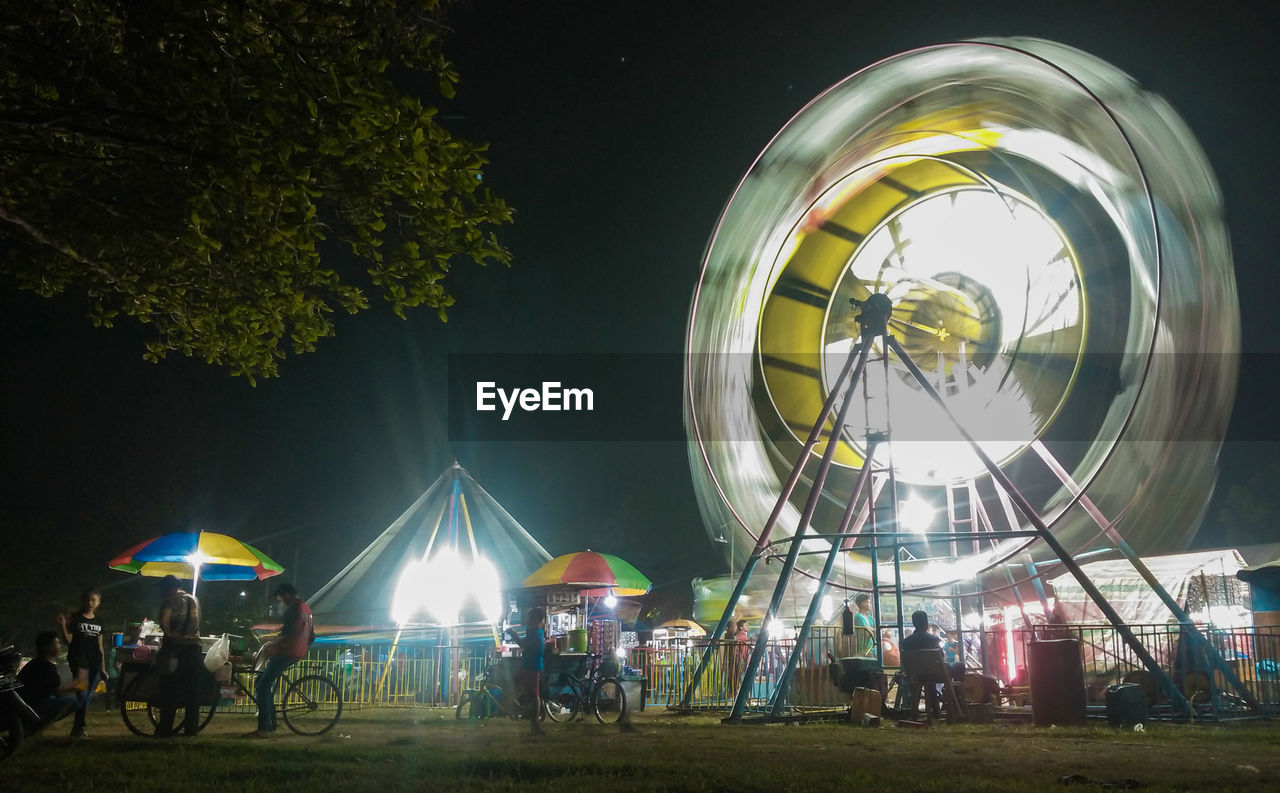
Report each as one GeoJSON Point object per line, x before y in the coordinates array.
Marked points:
{"type": "Point", "coordinates": [857, 355]}
{"type": "Point", "coordinates": [873, 321]}
{"type": "Point", "coordinates": [1196, 638]}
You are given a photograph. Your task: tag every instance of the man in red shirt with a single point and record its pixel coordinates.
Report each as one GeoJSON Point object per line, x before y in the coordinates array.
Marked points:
{"type": "Point", "coordinates": [283, 651]}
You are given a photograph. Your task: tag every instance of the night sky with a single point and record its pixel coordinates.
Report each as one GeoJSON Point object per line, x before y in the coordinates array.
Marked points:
{"type": "Point", "coordinates": [618, 134]}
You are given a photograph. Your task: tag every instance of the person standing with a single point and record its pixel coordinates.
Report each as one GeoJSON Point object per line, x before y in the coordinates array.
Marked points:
{"type": "Point", "coordinates": [83, 635]}
{"type": "Point", "coordinates": [180, 659]}
{"type": "Point", "coordinates": [529, 676]}
{"type": "Point", "coordinates": [286, 649]}
{"type": "Point", "coordinates": [864, 624]}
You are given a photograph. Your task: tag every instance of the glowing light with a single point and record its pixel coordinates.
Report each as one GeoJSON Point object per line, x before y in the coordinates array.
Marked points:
{"type": "Point", "coordinates": [987, 262]}
{"type": "Point", "coordinates": [916, 514]}
{"type": "Point", "coordinates": [610, 601]}
{"type": "Point", "coordinates": [775, 628]}
{"type": "Point", "coordinates": [198, 558]}
{"type": "Point", "coordinates": [438, 589]}
{"type": "Point", "coordinates": [1010, 662]}
{"type": "Point", "coordinates": [486, 588]}
{"type": "Point", "coordinates": [620, 652]}
{"type": "Point", "coordinates": [1224, 616]}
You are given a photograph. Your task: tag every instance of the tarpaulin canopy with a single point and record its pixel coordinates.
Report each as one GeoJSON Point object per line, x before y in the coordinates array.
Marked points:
{"type": "Point", "coordinates": [1195, 580]}
{"type": "Point", "coordinates": [455, 512]}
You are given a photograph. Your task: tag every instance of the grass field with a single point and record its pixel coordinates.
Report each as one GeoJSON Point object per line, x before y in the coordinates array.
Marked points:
{"type": "Point", "coordinates": [420, 749]}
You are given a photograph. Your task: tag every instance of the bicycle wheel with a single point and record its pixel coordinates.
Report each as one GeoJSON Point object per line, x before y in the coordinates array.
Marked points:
{"type": "Point", "coordinates": [467, 706]}
{"type": "Point", "coordinates": [609, 701]}
{"type": "Point", "coordinates": [312, 705]}
{"type": "Point", "coordinates": [207, 701]}
{"type": "Point", "coordinates": [135, 704]}
{"type": "Point", "coordinates": [563, 706]}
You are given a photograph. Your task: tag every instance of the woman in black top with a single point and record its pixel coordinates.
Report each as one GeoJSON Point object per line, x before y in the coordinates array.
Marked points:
{"type": "Point", "coordinates": [83, 634]}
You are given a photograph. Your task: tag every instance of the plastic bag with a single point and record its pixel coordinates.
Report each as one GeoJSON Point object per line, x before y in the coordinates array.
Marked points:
{"type": "Point", "coordinates": [218, 654]}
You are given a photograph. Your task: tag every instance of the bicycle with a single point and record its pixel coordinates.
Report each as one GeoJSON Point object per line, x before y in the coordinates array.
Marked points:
{"type": "Point", "coordinates": [310, 705]}
{"type": "Point", "coordinates": [571, 695]}
{"type": "Point", "coordinates": [488, 700]}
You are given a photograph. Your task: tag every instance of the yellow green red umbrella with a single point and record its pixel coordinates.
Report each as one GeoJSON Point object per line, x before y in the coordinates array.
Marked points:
{"type": "Point", "coordinates": [598, 573]}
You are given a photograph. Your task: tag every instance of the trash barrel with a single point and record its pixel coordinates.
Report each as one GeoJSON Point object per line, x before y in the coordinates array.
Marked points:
{"type": "Point", "coordinates": [1057, 683]}
{"type": "Point", "coordinates": [634, 689]}
{"type": "Point", "coordinates": [1126, 705]}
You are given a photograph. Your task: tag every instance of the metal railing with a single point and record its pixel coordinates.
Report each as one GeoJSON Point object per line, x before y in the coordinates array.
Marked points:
{"type": "Point", "coordinates": [1251, 654]}
{"type": "Point", "coordinates": [384, 675]}
{"type": "Point", "coordinates": [669, 671]}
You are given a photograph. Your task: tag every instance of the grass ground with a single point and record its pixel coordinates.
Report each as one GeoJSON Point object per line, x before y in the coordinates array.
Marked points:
{"type": "Point", "coordinates": [421, 749]}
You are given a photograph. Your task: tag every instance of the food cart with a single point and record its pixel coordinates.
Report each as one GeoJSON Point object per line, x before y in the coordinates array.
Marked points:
{"type": "Point", "coordinates": [141, 681]}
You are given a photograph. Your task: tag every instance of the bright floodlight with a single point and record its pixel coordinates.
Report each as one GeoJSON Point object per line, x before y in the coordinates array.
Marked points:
{"type": "Point", "coordinates": [775, 628]}
{"type": "Point", "coordinates": [916, 515]}
{"type": "Point", "coordinates": [439, 589]}
{"type": "Point", "coordinates": [610, 601]}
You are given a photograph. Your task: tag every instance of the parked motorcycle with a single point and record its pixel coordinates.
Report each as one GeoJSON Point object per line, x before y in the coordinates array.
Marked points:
{"type": "Point", "coordinates": [15, 713]}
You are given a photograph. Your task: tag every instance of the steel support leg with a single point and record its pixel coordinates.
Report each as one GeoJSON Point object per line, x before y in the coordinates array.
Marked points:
{"type": "Point", "coordinates": [857, 357]}
{"type": "Point", "coordinates": [1028, 511]}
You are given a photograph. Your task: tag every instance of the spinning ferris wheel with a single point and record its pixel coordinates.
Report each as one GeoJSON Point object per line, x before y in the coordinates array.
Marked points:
{"type": "Point", "coordinates": [1058, 353]}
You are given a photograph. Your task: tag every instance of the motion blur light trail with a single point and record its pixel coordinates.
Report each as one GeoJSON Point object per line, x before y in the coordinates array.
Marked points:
{"type": "Point", "coordinates": [1051, 237]}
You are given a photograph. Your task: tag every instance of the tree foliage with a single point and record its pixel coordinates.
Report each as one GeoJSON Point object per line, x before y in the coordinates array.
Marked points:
{"type": "Point", "coordinates": [1250, 512]}
{"type": "Point", "coordinates": [185, 164]}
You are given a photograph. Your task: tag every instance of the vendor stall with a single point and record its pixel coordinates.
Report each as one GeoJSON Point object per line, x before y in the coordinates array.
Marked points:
{"type": "Point", "coordinates": [581, 594]}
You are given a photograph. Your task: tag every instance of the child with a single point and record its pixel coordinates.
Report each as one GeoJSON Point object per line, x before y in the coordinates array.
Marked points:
{"type": "Point", "coordinates": [528, 677]}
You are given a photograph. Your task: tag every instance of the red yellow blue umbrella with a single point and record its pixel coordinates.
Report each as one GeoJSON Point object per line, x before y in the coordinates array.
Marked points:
{"type": "Point", "coordinates": [598, 573]}
{"type": "Point", "coordinates": [195, 555]}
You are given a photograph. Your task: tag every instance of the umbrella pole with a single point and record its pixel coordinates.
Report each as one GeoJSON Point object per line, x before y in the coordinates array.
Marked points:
{"type": "Point", "coordinates": [195, 577]}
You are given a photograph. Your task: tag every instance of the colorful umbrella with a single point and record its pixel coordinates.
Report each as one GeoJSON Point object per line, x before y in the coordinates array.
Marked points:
{"type": "Point", "coordinates": [598, 573]}
{"type": "Point", "coordinates": [683, 627]}
{"type": "Point", "coordinates": [195, 555]}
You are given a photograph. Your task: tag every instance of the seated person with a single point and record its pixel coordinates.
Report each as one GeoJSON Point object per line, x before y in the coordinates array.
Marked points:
{"type": "Point", "coordinates": [889, 654]}
{"type": "Point", "coordinates": [42, 687]}
{"type": "Point", "coordinates": [922, 639]}
{"type": "Point", "coordinates": [954, 655]}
